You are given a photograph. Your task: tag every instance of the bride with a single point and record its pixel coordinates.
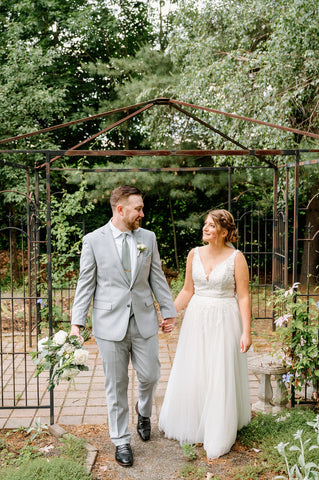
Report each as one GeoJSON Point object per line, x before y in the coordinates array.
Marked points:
{"type": "Point", "coordinates": [207, 396]}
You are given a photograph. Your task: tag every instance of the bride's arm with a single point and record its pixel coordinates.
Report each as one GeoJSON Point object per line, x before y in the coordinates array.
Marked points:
{"type": "Point", "coordinates": [187, 291]}
{"type": "Point", "coordinates": [242, 289]}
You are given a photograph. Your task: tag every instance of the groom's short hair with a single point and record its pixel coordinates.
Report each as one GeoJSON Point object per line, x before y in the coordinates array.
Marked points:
{"type": "Point", "coordinates": [122, 192]}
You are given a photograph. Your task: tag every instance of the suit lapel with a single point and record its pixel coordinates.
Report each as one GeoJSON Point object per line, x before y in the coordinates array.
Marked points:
{"type": "Point", "coordinates": [139, 239]}
{"type": "Point", "coordinates": [109, 241]}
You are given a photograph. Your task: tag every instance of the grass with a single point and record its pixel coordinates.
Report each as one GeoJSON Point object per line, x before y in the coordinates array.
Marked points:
{"type": "Point", "coordinates": [265, 432]}
{"type": "Point", "coordinates": [192, 472]}
{"type": "Point", "coordinates": [73, 448]}
{"type": "Point", "coordinates": [28, 462]}
{"type": "Point", "coordinates": [42, 469]}
{"type": "Point", "coordinates": [189, 451]}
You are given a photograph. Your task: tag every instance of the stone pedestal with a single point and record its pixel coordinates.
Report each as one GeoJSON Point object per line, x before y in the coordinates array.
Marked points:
{"type": "Point", "coordinates": [268, 401]}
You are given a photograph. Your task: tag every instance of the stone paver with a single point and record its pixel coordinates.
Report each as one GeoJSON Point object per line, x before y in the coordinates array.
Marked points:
{"type": "Point", "coordinates": [85, 402]}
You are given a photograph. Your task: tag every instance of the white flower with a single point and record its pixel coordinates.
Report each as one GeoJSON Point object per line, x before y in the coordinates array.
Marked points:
{"type": "Point", "coordinates": [283, 418]}
{"type": "Point", "coordinates": [60, 337]}
{"type": "Point", "coordinates": [80, 356]}
{"type": "Point", "coordinates": [281, 447]}
{"type": "Point", "coordinates": [63, 356]}
{"type": "Point", "coordinates": [141, 248]}
{"type": "Point", "coordinates": [69, 373]}
{"type": "Point", "coordinates": [298, 434]}
{"type": "Point", "coordinates": [40, 344]}
{"type": "Point", "coordinates": [68, 348]}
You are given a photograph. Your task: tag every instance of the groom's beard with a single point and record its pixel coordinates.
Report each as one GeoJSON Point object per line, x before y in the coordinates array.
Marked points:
{"type": "Point", "coordinates": [134, 225]}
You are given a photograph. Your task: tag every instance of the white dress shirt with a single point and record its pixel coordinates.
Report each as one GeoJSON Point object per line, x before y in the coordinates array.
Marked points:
{"type": "Point", "coordinates": [118, 238]}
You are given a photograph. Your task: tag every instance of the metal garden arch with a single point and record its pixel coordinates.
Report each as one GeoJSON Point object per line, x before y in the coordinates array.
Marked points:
{"type": "Point", "coordinates": [280, 251]}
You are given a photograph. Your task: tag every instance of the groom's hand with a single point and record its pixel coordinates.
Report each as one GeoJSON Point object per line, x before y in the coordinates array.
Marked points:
{"type": "Point", "coordinates": [75, 330]}
{"type": "Point", "coordinates": [168, 324]}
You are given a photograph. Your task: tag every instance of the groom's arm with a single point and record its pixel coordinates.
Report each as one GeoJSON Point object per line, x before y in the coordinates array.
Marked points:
{"type": "Point", "coordinates": [160, 286]}
{"type": "Point", "coordinates": [85, 287]}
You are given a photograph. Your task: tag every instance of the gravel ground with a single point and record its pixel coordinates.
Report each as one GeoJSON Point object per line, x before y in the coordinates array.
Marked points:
{"type": "Point", "coordinates": [158, 459]}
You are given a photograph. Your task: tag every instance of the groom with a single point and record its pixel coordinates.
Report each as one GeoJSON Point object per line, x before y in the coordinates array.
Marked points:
{"type": "Point", "coordinates": [120, 269]}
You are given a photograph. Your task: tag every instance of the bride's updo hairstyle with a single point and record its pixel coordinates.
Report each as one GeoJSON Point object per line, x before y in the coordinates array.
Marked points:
{"type": "Point", "coordinates": [225, 220]}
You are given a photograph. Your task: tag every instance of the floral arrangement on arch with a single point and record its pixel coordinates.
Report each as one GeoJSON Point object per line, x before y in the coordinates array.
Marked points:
{"type": "Point", "coordinates": [297, 325]}
{"type": "Point", "coordinates": [63, 355]}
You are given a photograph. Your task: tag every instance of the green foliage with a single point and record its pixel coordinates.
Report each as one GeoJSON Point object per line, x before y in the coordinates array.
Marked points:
{"type": "Point", "coordinates": [60, 319]}
{"type": "Point", "coordinates": [235, 56]}
{"type": "Point", "coordinates": [192, 472]}
{"type": "Point", "coordinates": [263, 434]}
{"type": "Point", "coordinates": [38, 429]}
{"type": "Point", "coordinates": [245, 60]}
{"type": "Point", "coordinates": [67, 210]}
{"type": "Point", "coordinates": [177, 284]}
{"type": "Point", "coordinates": [42, 469]}
{"type": "Point", "coordinates": [20, 429]}
{"type": "Point", "coordinates": [26, 454]}
{"type": "Point", "coordinates": [73, 448]}
{"type": "Point", "coordinates": [18, 464]}
{"type": "Point", "coordinates": [66, 60]}
{"type": "Point", "coordinates": [301, 469]}
{"type": "Point", "coordinates": [48, 60]}
{"type": "Point", "coordinates": [3, 444]}
{"type": "Point", "coordinates": [189, 450]}
{"type": "Point", "coordinates": [297, 331]}
{"type": "Point", "coordinates": [6, 457]}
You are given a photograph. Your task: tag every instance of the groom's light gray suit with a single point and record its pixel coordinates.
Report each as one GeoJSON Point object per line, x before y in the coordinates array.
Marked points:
{"type": "Point", "coordinates": [118, 333]}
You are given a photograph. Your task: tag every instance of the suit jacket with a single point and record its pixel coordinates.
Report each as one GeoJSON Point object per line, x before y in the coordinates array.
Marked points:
{"type": "Point", "coordinates": [102, 278]}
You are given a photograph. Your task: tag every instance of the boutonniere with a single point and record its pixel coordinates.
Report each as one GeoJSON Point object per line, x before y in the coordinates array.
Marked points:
{"type": "Point", "coordinates": [141, 248]}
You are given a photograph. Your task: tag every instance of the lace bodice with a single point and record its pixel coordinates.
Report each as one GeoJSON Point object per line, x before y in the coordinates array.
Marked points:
{"type": "Point", "coordinates": [221, 281]}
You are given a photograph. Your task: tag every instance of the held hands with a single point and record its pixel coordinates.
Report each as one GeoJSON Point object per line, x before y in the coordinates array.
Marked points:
{"type": "Point", "coordinates": [245, 342]}
{"type": "Point", "coordinates": [168, 325]}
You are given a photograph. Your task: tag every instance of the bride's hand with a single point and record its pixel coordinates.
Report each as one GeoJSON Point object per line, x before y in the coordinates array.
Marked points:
{"type": "Point", "coordinates": [168, 325]}
{"type": "Point", "coordinates": [245, 342]}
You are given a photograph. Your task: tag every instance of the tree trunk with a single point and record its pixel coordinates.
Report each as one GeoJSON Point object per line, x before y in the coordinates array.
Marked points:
{"type": "Point", "coordinates": [310, 256]}
{"type": "Point", "coordinates": [14, 257]}
{"type": "Point", "coordinates": [174, 232]}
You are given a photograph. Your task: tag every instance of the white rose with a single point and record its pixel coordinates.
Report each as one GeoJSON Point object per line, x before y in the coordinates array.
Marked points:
{"type": "Point", "coordinates": [141, 248]}
{"type": "Point", "coordinates": [68, 348]}
{"type": "Point", "coordinates": [69, 373]}
{"type": "Point", "coordinates": [60, 337]}
{"type": "Point", "coordinates": [80, 356]}
{"type": "Point", "coordinates": [40, 344]}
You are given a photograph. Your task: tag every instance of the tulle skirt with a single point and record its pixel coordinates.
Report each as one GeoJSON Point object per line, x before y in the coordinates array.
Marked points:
{"type": "Point", "coordinates": [207, 396]}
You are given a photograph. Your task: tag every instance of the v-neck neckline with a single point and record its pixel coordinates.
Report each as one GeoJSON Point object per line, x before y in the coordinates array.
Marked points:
{"type": "Point", "coordinates": [207, 276]}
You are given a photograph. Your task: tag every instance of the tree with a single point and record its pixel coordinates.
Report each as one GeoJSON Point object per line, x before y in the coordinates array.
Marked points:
{"type": "Point", "coordinates": [48, 56]}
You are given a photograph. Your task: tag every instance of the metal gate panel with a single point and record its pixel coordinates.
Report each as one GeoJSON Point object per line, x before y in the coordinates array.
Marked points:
{"type": "Point", "coordinates": [20, 314]}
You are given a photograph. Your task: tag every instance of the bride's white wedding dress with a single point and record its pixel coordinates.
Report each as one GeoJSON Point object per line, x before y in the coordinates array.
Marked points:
{"type": "Point", "coordinates": [207, 396]}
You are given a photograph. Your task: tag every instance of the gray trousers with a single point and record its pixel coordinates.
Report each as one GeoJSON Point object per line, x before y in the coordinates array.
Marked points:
{"type": "Point", "coordinates": [115, 358]}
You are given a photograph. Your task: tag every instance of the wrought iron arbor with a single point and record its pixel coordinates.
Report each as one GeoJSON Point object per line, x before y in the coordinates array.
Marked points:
{"type": "Point", "coordinates": [265, 239]}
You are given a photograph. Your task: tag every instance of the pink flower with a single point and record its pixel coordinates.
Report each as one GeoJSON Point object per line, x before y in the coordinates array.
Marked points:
{"type": "Point", "coordinates": [281, 320]}
{"type": "Point", "coordinates": [292, 289]}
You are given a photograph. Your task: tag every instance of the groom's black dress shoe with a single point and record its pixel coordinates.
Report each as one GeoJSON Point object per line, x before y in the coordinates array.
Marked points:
{"type": "Point", "coordinates": [143, 426]}
{"type": "Point", "coordinates": [124, 455]}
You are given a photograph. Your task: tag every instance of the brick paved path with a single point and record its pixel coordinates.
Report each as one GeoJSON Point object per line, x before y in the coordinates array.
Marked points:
{"type": "Point", "coordinates": [86, 404]}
